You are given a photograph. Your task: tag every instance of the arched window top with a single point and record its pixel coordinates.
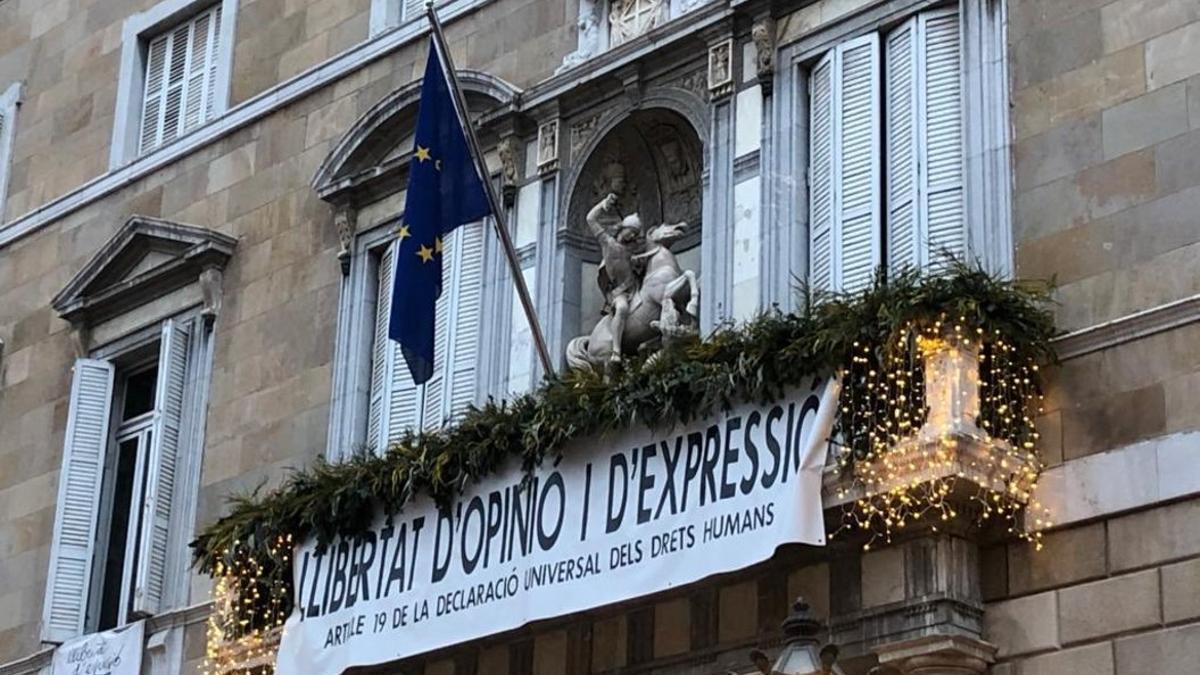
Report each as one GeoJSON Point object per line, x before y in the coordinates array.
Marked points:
{"type": "Point", "coordinates": [375, 147]}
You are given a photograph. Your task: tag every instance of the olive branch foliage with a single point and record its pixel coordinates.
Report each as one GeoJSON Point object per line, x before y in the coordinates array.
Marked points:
{"type": "Point", "coordinates": [754, 361]}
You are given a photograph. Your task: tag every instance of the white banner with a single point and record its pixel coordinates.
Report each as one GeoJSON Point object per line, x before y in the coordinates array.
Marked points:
{"type": "Point", "coordinates": [114, 652]}
{"type": "Point", "coordinates": [615, 519]}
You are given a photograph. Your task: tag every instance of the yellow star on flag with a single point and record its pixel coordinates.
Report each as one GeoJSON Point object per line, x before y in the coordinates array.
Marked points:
{"type": "Point", "coordinates": [425, 253]}
{"type": "Point", "coordinates": [437, 244]}
{"type": "Point", "coordinates": [423, 154]}
{"type": "Point", "coordinates": [402, 232]}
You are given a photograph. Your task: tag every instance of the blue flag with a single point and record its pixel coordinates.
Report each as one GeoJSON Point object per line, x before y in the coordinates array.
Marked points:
{"type": "Point", "coordinates": [444, 191]}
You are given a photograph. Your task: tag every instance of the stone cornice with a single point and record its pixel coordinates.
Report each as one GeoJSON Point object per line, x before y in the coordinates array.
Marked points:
{"type": "Point", "coordinates": [1128, 328]}
{"type": "Point", "coordinates": [241, 115]}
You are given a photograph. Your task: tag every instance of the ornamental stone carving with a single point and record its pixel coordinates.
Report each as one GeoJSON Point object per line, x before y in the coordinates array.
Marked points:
{"type": "Point", "coordinates": [650, 302]}
{"type": "Point", "coordinates": [763, 36]}
{"type": "Point", "coordinates": [720, 68]}
{"type": "Point", "coordinates": [510, 174]}
{"type": "Point", "coordinates": [581, 132]}
{"type": "Point", "coordinates": [547, 148]}
{"type": "Point", "coordinates": [588, 38]}
{"type": "Point", "coordinates": [628, 19]}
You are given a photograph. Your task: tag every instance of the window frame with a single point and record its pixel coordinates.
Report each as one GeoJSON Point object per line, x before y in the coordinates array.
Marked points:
{"type": "Point", "coordinates": [127, 355]}
{"type": "Point", "coordinates": [10, 102]}
{"type": "Point", "coordinates": [137, 33]}
{"type": "Point", "coordinates": [986, 138]}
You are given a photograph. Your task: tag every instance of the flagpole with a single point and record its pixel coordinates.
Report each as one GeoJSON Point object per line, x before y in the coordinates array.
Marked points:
{"type": "Point", "coordinates": [499, 219]}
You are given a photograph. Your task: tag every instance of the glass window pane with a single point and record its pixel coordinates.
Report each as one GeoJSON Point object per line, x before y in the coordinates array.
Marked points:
{"type": "Point", "coordinates": [118, 535]}
{"type": "Point", "coordinates": [139, 393]}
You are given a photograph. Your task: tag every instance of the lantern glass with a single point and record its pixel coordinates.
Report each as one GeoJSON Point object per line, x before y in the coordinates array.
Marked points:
{"type": "Point", "coordinates": [798, 658]}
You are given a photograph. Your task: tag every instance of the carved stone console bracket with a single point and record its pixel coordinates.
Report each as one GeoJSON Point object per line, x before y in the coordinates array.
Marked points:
{"type": "Point", "coordinates": [763, 35]}
{"type": "Point", "coordinates": [510, 174]}
{"type": "Point", "coordinates": [345, 220]}
{"type": "Point", "coordinates": [212, 292]}
{"type": "Point", "coordinates": [937, 655]}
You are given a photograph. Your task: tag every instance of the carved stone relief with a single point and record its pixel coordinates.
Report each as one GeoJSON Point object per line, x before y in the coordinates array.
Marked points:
{"type": "Point", "coordinates": [547, 159]}
{"type": "Point", "coordinates": [589, 37]}
{"type": "Point", "coordinates": [344, 220]}
{"type": "Point", "coordinates": [628, 19]}
{"type": "Point", "coordinates": [720, 68]}
{"type": "Point", "coordinates": [582, 132]}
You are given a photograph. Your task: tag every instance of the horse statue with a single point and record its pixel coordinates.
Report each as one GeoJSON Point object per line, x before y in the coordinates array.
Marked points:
{"type": "Point", "coordinates": [664, 307]}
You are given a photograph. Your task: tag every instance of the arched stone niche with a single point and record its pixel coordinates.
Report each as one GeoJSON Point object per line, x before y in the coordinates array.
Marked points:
{"type": "Point", "coordinates": [652, 160]}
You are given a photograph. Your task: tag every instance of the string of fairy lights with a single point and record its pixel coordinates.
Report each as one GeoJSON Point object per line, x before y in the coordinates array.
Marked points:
{"type": "Point", "coordinates": [249, 610]}
{"type": "Point", "coordinates": [941, 411]}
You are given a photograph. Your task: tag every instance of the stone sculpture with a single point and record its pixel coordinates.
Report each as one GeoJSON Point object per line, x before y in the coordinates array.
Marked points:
{"type": "Point", "coordinates": [649, 300]}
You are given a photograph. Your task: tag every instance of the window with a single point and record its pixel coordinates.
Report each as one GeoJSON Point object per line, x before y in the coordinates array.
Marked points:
{"type": "Point", "coordinates": [180, 80]}
{"type": "Point", "coordinates": [175, 73]}
{"type": "Point", "coordinates": [121, 457]}
{"type": "Point", "coordinates": [396, 404]}
{"type": "Point", "coordinates": [630, 18]}
{"type": "Point", "coordinates": [886, 157]}
{"type": "Point", "coordinates": [10, 98]}
{"type": "Point", "coordinates": [388, 14]}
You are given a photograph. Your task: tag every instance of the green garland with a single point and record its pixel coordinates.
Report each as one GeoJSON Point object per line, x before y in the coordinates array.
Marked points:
{"type": "Point", "coordinates": [755, 361]}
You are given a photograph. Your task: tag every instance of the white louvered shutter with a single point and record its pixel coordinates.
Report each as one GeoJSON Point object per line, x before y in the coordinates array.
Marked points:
{"type": "Point", "coordinates": [434, 413]}
{"type": "Point", "coordinates": [942, 137]}
{"type": "Point", "coordinates": [162, 465]}
{"type": "Point", "coordinates": [412, 9]}
{"type": "Point", "coordinates": [463, 362]}
{"type": "Point", "coordinates": [820, 175]}
{"type": "Point", "coordinates": [857, 178]}
{"type": "Point", "coordinates": [902, 180]}
{"type": "Point", "coordinates": [394, 398]}
{"type": "Point", "coordinates": [181, 74]}
{"type": "Point", "coordinates": [845, 166]}
{"type": "Point", "coordinates": [84, 450]}
{"type": "Point", "coordinates": [925, 156]}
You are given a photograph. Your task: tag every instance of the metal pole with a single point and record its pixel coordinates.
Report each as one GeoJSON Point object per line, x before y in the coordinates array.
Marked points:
{"type": "Point", "coordinates": [498, 214]}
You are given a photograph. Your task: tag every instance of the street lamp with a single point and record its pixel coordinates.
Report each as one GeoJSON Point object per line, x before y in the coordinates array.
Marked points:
{"type": "Point", "coordinates": [802, 654]}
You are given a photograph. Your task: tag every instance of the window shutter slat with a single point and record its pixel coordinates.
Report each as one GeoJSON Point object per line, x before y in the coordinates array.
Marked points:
{"type": "Point", "coordinates": [156, 57]}
{"type": "Point", "coordinates": [381, 349]}
{"type": "Point", "coordinates": [213, 59]}
{"type": "Point", "coordinates": [154, 551]}
{"type": "Point", "coordinates": [197, 72]}
{"type": "Point", "coordinates": [412, 10]}
{"type": "Point", "coordinates": [468, 278]}
{"type": "Point", "coordinates": [902, 143]}
{"type": "Point", "coordinates": [400, 399]}
{"type": "Point", "coordinates": [820, 173]}
{"type": "Point", "coordinates": [73, 545]}
{"type": "Point", "coordinates": [434, 397]}
{"type": "Point", "coordinates": [857, 178]}
{"type": "Point", "coordinates": [943, 166]}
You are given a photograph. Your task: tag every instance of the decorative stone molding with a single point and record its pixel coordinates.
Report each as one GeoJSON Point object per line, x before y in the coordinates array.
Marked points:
{"type": "Point", "coordinates": [763, 35]}
{"type": "Point", "coordinates": [345, 220]}
{"type": "Point", "coordinates": [147, 259]}
{"type": "Point", "coordinates": [937, 655]}
{"type": "Point", "coordinates": [720, 69]}
{"type": "Point", "coordinates": [547, 147]}
{"type": "Point", "coordinates": [695, 82]}
{"type": "Point", "coordinates": [1128, 328]}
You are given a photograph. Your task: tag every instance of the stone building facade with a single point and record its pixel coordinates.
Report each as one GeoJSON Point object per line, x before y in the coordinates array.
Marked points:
{"type": "Point", "coordinates": [218, 232]}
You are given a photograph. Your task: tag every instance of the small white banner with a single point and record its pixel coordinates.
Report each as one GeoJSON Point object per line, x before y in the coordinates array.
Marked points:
{"type": "Point", "coordinates": [114, 652]}
{"type": "Point", "coordinates": [617, 518]}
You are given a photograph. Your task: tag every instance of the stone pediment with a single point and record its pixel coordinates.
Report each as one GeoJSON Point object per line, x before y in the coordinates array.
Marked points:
{"type": "Point", "coordinates": [147, 259]}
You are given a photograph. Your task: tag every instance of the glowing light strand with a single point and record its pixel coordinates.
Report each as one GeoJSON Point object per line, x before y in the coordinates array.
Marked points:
{"type": "Point", "coordinates": [904, 466]}
{"type": "Point", "coordinates": [249, 609]}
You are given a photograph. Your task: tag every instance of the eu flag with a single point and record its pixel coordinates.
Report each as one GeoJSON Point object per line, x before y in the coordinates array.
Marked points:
{"type": "Point", "coordinates": [444, 191]}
